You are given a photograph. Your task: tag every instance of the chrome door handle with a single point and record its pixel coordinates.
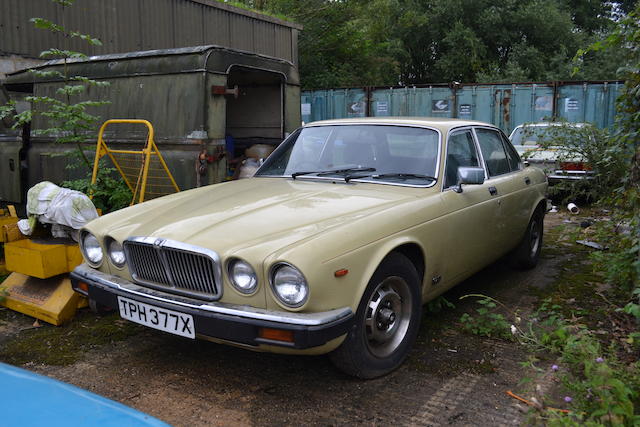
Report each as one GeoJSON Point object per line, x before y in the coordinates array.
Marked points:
{"type": "Point", "coordinates": [527, 180]}
{"type": "Point", "coordinates": [493, 191]}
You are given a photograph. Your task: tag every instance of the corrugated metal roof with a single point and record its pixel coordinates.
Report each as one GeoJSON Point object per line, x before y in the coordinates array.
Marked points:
{"type": "Point", "coordinates": [135, 25]}
{"type": "Point", "coordinates": [212, 58]}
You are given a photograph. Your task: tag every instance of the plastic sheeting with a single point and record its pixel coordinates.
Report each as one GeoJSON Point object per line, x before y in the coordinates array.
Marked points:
{"type": "Point", "coordinates": [67, 210]}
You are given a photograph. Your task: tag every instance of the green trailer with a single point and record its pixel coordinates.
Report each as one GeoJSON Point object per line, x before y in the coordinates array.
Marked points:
{"type": "Point", "coordinates": [198, 98]}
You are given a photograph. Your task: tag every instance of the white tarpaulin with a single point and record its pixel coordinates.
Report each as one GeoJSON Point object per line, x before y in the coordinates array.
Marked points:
{"type": "Point", "coordinates": [68, 210]}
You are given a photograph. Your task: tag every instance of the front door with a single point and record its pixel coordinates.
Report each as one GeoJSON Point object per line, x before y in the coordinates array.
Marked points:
{"type": "Point", "coordinates": [471, 214]}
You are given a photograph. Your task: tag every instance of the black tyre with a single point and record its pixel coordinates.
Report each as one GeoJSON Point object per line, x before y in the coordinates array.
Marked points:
{"type": "Point", "coordinates": [525, 256]}
{"type": "Point", "coordinates": [386, 323]}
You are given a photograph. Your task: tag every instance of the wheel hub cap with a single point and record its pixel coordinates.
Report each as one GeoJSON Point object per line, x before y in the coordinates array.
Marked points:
{"type": "Point", "coordinates": [387, 316]}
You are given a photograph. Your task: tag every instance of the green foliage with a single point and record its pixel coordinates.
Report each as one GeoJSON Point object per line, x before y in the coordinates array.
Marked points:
{"type": "Point", "coordinates": [109, 193]}
{"type": "Point", "coordinates": [390, 42]}
{"type": "Point", "coordinates": [601, 390]}
{"type": "Point", "coordinates": [487, 321]}
{"type": "Point", "coordinates": [65, 117]}
{"type": "Point", "coordinates": [439, 304]}
{"type": "Point", "coordinates": [589, 145]}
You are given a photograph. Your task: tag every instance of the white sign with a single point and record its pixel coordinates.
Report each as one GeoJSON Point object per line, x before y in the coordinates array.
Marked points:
{"type": "Point", "coordinates": [440, 106]}
{"type": "Point", "coordinates": [382, 107]}
{"type": "Point", "coordinates": [306, 109]}
{"type": "Point", "coordinates": [571, 104]}
{"type": "Point", "coordinates": [544, 103]}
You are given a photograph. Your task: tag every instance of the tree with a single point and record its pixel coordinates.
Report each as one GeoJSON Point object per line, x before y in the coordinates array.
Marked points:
{"type": "Point", "coordinates": [390, 42]}
{"type": "Point", "coordinates": [65, 116]}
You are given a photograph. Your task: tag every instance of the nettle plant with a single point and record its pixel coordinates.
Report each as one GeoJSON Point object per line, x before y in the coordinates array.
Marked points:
{"type": "Point", "coordinates": [66, 116]}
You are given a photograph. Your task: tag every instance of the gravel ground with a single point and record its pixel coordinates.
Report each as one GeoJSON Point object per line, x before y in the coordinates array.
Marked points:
{"type": "Point", "coordinates": [450, 377]}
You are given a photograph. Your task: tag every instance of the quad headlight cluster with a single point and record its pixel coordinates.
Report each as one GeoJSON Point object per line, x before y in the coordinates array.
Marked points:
{"type": "Point", "coordinates": [94, 254]}
{"type": "Point", "coordinates": [287, 282]}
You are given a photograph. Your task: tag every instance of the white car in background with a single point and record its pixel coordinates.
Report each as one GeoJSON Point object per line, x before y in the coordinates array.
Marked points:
{"type": "Point", "coordinates": [557, 163]}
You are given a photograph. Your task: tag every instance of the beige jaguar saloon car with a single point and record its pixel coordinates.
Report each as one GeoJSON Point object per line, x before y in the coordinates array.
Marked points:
{"type": "Point", "coordinates": [334, 245]}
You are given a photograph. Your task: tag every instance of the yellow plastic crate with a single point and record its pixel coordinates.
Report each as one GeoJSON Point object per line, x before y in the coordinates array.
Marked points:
{"type": "Point", "coordinates": [6, 220]}
{"type": "Point", "coordinates": [52, 300]}
{"type": "Point", "coordinates": [41, 260]}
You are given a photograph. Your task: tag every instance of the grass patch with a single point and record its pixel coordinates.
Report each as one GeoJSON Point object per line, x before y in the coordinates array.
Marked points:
{"type": "Point", "coordinates": [65, 345]}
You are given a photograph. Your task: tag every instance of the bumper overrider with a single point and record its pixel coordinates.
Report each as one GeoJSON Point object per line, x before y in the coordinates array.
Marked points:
{"type": "Point", "coordinates": [229, 322]}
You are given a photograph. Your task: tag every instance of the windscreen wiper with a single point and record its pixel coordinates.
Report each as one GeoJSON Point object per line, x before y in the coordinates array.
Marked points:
{"type": "Point", "coordinates": [335, 171]}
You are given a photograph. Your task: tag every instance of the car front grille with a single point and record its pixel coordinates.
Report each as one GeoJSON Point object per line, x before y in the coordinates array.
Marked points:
{"type": "Point", "coordinates": [174, 267]}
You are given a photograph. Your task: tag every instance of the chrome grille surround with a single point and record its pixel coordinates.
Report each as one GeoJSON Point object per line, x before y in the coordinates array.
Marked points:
{"type": "Point", "coordinates": [174, 267]}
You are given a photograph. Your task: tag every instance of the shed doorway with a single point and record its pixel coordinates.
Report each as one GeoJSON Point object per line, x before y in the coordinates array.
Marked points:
{"type": "Point", "coordinates": [256, 116]}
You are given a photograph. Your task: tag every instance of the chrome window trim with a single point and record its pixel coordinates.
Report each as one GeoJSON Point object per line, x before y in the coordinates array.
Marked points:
{"type": "Point", "coordinates": [158, 243]}
{"type": "Point", "coordinates": [409, 125]}
{"type": "Point", "coordinates": [478, 152]}
{"type": "Point", "coordinates": [243, 311]}
{"type": "Point", "coordinates": [486, 170]}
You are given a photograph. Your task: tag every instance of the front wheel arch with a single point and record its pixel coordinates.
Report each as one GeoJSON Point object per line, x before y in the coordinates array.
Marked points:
{"type": "Point", "coordinates": [386, 322]}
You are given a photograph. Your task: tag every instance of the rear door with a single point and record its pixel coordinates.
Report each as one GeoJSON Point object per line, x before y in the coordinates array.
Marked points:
{"type": "Point", "coordinates": [507, 183]}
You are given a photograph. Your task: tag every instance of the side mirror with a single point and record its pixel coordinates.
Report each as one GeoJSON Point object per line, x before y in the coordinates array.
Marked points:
{"type": "Point", "coordinates": [469, 176]}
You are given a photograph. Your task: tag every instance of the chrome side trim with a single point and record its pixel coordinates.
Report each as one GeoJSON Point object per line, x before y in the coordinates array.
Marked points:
{"type": "Point", "coordinates": [244, 311]}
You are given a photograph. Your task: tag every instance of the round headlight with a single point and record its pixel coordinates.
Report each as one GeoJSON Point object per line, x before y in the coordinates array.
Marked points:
{"type": "Point", "coordinates": [289, 285]}
{"type": "Point", "coordinates": [116, 253]}
{"type": "Point", "coordinates": [242, 276]}
{"type": "Point", "coordinates": [91, 249]}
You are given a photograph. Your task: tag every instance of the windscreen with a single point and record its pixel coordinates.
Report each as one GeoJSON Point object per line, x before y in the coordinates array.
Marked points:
{"type": "Point", "coordinates": [386, 152]}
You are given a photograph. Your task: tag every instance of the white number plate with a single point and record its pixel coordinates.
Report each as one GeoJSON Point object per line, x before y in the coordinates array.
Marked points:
{"type": "Point", "coordinates": [158, 318]}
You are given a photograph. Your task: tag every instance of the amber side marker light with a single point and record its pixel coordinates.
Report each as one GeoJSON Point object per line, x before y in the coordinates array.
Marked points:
{"type": "Point", "coordinates": [342, 272]}
{"type": "Point", "coordinates": [276, 334]}
{"type": "Point", "coordinates": [83, 287]}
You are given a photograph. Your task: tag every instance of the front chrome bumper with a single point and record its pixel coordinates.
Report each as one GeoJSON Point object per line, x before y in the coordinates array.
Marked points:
{"type": "Point", "coordinates": [230, 322]}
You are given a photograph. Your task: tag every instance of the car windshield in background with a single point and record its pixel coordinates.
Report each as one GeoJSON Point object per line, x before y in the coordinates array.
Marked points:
{"type": "Point", "coordinates": [533, 135]}
{"type": "Point", "coordinates": [375, 153]}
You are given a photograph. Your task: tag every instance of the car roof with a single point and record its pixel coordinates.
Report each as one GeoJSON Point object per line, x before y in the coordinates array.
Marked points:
{"type": "Point", "coordinates": [547, 124]}
{"type": "Point", "coordinates": [443, 124]}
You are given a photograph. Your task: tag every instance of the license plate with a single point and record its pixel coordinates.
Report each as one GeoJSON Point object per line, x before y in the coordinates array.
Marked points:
{"type": "Point", "coordinates": [170, 321]}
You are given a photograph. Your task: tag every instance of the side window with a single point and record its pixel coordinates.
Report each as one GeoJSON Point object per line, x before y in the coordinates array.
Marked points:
{"type": "Point", "coordinates": [493, 152]}
{"type": "Point", "coordinates": [512, 155]}
{"type": "Point", "coordinates": [461, 151]}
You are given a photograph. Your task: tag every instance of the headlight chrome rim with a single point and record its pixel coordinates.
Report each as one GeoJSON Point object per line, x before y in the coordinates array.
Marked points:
{"type": "Point", "coordinates": [233, 262]}
{"type": "Point", "coordinates": [109, 243]}
{"type": "Point", "coordinates": [272, 275]}
{"type": "Point", "coordinates": [83, 237]}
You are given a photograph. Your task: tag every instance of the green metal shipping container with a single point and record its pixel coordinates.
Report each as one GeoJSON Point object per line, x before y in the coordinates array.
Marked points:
{"type": "Point", "coordinates": [504, 105]}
